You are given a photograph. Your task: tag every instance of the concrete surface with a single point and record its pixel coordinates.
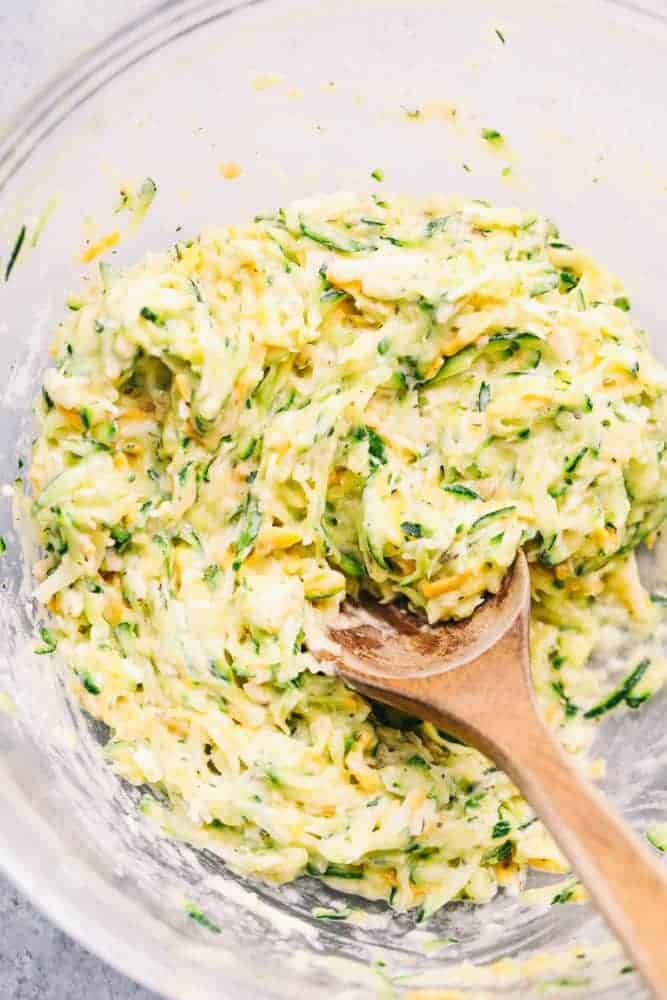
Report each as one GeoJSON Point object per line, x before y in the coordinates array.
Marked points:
{"type": "Point", "coordinates": [37, 961]}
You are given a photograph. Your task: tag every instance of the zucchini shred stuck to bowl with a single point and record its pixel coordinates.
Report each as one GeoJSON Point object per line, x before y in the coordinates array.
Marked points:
{"type": "Point", "coordinates": [371, 392]}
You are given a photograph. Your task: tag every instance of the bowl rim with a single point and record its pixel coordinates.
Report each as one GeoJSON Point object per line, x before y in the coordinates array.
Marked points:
{"type": "Point", "coordinates": [83, 76]}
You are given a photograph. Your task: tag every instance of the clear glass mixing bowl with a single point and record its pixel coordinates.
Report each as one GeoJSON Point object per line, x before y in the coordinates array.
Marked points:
{"type": "Point", "coordinates": [580, 91]}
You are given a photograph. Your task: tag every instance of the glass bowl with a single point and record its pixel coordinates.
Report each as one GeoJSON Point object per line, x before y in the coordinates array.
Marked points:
{"type": "Point", "coordinates": [307, 97]}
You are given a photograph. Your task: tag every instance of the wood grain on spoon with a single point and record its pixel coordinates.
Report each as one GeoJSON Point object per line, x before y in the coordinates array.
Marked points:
{"type": "Point", "coordinates": [472, 678]}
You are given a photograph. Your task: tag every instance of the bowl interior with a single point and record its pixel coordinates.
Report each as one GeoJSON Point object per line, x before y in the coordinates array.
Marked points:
{"type": "Point", "coordinates": [305, 98]}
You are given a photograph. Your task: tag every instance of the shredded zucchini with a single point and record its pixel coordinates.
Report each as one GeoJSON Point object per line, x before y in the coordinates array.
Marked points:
{"type": "Point", "coordinates": [352, 392]}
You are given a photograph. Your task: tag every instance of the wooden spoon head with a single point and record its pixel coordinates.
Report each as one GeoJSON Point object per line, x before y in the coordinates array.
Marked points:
{"type": "Point", "coordinates": [373, 641]}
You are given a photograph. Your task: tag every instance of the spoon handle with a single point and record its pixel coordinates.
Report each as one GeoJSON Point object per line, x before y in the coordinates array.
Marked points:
{"type": "Point", "coordinates": [623, 878]}
{"type": "Point", "coordinates": [488, 701]}
{"type": "Point", "coordinates": [490, 704]}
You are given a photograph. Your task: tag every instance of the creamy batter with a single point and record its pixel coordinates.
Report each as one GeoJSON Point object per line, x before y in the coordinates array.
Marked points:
{"type": "Point", "coordinates": [351, 392]}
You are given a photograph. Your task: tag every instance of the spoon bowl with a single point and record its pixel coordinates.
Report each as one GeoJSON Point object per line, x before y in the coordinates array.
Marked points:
{"type": "Point", "coordinates": [388, 640]}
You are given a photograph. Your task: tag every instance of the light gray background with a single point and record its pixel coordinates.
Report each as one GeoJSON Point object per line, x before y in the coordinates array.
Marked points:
{"type": "Point", "coordinates": [37, 961]}
{"type": "Point", "coordinates": [37, 38]}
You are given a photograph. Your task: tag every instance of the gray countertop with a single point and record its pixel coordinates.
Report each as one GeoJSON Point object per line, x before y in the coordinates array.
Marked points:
{"type": "Point", "coordinates": [38, 961]}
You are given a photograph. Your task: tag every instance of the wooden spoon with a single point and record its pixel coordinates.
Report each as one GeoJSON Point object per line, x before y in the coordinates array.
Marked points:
{"type": "Point", "coordinates": [472, 678]}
